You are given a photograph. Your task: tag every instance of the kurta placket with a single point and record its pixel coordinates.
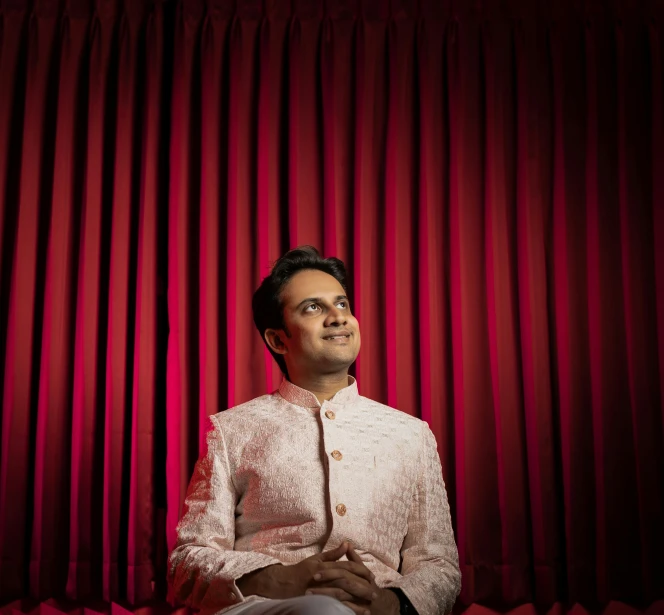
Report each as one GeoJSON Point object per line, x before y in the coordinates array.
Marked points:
{"type": "Point", "coordinates": [333, 423]}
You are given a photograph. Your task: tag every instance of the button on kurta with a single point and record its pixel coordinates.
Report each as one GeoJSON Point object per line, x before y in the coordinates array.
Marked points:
{"type": "Point", "coordinates": [337, 455]}
{"type": "Point", "coordinates": [232, 596]}
{"type": "Point", "coordinates": [330, 415]}
{"type": "Point", "coordinates": [341, 509]}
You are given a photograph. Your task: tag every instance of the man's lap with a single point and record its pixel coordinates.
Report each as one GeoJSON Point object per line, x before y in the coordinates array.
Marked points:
{"type": "Point", "coordinates": [303, 605]}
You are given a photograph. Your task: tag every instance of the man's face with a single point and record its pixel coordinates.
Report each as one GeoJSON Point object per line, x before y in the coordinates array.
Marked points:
{"type": "Point", "coordinates": [323, 335]}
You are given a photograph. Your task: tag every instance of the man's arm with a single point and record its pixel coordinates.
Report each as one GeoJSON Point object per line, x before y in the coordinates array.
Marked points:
{"type": "Point", "coordinates": [430, 561]}
{"type": "Point", "coordinates": [203, 567]}
{"type": "Point", "coordinates": [431, 579]}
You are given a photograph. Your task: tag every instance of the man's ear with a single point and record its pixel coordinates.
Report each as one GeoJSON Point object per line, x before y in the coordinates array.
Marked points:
{"type": "Point", "coordinates": [274, 339]}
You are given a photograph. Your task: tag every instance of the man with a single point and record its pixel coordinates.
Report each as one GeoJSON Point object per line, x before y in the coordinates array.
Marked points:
{"type": "Point", "coordinates": [314, 499]}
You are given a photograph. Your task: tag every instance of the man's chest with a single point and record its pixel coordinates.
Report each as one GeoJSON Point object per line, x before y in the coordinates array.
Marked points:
{"type": "Point", "coordinates": [305, 464]}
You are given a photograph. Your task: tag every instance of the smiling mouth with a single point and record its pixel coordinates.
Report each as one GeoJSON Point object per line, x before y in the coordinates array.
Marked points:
{"type": "Point", "coordinates": [343, 336]}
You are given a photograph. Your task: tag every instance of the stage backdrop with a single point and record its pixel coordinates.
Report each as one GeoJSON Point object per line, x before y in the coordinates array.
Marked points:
{"type": "Point", "coordinates": [493, 176]}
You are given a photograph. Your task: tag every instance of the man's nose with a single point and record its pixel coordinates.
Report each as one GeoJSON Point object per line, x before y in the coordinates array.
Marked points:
{"type": "Point", "coordinates": [335, 317]}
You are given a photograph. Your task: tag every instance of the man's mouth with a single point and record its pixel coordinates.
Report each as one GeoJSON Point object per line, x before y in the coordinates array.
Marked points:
{"type": "Point", "coordinates": [337, 336]}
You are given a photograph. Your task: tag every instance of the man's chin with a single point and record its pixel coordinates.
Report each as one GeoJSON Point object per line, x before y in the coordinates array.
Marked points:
{"type": "Point", "coordinates": [337, 363]}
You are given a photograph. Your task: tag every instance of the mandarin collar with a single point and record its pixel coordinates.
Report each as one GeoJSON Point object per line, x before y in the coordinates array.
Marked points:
{"type": "Point", "coordinates": [306, 399]}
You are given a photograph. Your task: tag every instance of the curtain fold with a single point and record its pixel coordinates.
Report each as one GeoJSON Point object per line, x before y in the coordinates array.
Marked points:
{"type": "Point", "coordinates": [491, 175]}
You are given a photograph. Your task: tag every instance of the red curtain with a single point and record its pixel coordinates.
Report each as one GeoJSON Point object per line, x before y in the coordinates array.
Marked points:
{"type": "Point", "coordinates": [493, 176]}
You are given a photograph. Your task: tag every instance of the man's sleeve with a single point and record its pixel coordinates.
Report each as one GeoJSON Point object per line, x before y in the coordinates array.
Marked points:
{"type": "Point", "coordinates": [203, 567]}
{"type": "Point", "coordinates": [430, 561]}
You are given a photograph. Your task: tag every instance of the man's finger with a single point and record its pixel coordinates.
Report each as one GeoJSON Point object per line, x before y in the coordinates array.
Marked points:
{"type": "Point", "coordinates": [353, 556]}
{"type": "Point", "coordinates": [346, 581]}
{"type": "Point", "coordinates": [334, 554]}
{"type": "Point", "coordinates": [333, 592]}
{"type": "Point", "coordinates": [360, 610]}
{"type": "Point", "coordinates": [357, 569]}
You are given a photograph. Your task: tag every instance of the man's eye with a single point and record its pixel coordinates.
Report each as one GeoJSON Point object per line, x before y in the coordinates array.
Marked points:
{"type": "Point", "coordinates": [342, 304]}
{"type": "Point", "coordinates": [312, 307]}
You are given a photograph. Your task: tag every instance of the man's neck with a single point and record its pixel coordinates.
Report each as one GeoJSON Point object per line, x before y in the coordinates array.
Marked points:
{"type": "Point", "coordinates": [323, 386]}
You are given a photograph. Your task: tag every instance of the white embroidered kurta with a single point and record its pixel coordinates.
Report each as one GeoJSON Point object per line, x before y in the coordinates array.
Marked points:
{"type": "Point", "coordinates": [285, 477]}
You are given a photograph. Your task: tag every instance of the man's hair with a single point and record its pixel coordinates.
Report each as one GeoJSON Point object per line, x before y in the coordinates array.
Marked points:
{"type": "Point", "coordinates": [266, 304]}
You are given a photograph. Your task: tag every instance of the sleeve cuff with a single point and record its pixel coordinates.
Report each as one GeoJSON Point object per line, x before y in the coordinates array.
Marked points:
{"type": "Point", "coordinates": [405, 605]}
{"type": "Point", "coordinates": [247, 566]}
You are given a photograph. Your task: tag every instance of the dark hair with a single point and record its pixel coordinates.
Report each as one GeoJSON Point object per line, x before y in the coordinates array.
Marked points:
{"type": "Point", "coordinates": [266, 304]}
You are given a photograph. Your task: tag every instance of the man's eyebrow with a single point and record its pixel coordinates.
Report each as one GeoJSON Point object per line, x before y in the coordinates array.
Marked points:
{"type": "Point", "coordinates": [318, 300]}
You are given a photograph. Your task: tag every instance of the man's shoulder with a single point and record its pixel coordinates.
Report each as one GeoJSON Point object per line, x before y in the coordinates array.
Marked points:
{"type": "Point", "coordinates": [388, 426]}
{"type": "Point", "coordinates": [253, 408]}
{"type": "Point", "coordinates": [392, 414]}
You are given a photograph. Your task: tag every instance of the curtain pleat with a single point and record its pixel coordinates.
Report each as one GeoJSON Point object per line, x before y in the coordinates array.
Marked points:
{"type": "Point", "coordinates": [141, 504]}
{"type": "Point", "coordinates": [55, 373]}
{"type": "Point", "coordinates": [533, 190]}
{"type": "Point", "coordinates": [570, 301]}
{"type": "Point", "coordinates": [271, 232]}
{"type": "Point", "coordinates": [502, 307]}
{"type": "Point", "coordinates": [563, 233]}
{"type": "Point", "coordinates": [211, 253]}
{"type": "Point", "coordinates": [456, 159]}
{"type": "Point", "coordinates": [85, 527]}
{"type": "Point", "coordinates": [493, 181]}
{"type": "Point", "coordinates": [654, 510]}
{"type": "Point", "coordinates": [25, 313]}
{"type": "Point", "coordinates": [638, 271]}
{"type": "Point", "coordinates": [122, 305]}
{"type": "Point", "coordinates": [368, 248]}
{"type": "Point", "coordinates": [240, 239]}
{"type": "Point", "coordinates": [182, 438]}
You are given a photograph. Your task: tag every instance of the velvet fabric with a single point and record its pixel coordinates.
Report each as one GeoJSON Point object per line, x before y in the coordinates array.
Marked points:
{"type": "Point", "coordinates": [492, 174]}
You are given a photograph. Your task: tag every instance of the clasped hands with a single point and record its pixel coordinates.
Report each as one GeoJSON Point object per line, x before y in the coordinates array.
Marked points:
{"type": "Point", "coordinates": [351, 582]}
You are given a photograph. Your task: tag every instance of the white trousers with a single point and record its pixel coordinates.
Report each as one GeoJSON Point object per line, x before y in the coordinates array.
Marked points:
{"type": "Point", "coordinates": [303, 605]}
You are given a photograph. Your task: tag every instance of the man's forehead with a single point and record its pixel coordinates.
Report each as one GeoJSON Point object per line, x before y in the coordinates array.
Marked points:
{"type": "Point", "coordinates": [310, 283]}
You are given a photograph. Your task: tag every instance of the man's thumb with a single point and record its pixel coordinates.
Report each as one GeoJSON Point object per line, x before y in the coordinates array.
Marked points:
{"type": "Point", "coordinates": [334, 554]}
